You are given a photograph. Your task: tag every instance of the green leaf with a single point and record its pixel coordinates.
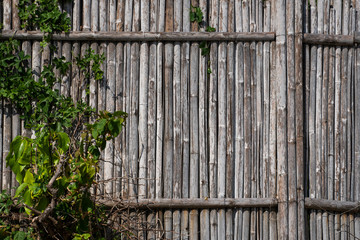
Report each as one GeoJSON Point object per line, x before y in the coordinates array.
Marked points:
{"type": "Point", "coordinates": [29, 177]}
{"type": "Point", "coordinates": [27, 198]}
{"type": "Point", "coordinates": [20, 189]}
{"type": "Point", "coordinates": [64, 141]}
{"type": "Point", "coordinates": [20, 236]}
{"type": "Point", "coordinates": [43, 203]}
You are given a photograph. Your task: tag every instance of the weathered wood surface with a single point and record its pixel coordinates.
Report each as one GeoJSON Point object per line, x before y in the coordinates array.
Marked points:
{"type": "Point", "coordinates": [275, 118]}
{"type": "Point", "coordinates": [141, 36]}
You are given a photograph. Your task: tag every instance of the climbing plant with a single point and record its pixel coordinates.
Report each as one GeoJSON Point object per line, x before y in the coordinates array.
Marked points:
{"type": "Point", "coordinates": [197, 16]}
{"type": "Point", "coordinates": [56, 168]}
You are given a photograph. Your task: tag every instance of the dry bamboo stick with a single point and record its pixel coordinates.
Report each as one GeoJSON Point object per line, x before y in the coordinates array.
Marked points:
{"type": "Point", "coordinates": [318, 118]}
{"type": "Point", "coordinates": [283, 227]}
{"type": "Point", "coordinates": [239, 121]}
{"type": "Point", "coordinates": [159, 121]}
{"type": "Point", "coordinates": [143, 36]}
{"type": "Point", "coordinates": [119, 103]}
{"type": "Point", "coordinates": [222, 113]}
{"type": "Point", "coordinates": [110, 107]}
{"type": "Point", "coordinates": [26, 47]}
{"type": "Point", "coordinates": [1, 144]}
{"type": "Point", "coordinates": [356, 100]}
{"type": "Point", "coordinates": [291, 123]}
{"type": "Point", "coordinates": [337, 123]}
{"type": "Point", "coordinates": [7, 14]}
{"type": "Point", "coordinates": [329, 39]}
{"type": "Point", "coordinates": [330, 120]}
{"type": "Point", "coordinates": [185, 66]}
{"type": "Point", "coordinates": [311, 125]}
{"type": "Point", "coordinates": [254, 140]}
{"type": "Point", "coordinates": [247, 139]}
{"type": "Point", "coordinates": [266, 120]}
{"type": "Point", "coordinates": [86, 16]}
{"type": "Point", "coordinates": [143, 103]}
{"type": "Point", "coordinates": [177, 120]}
{"type": "Point", "coordinates": [332, 205]}
{"type": "Point", "coordinates": [76, 16]}
{"type": "Point", "coordinates": [203, 160]}
{"type": "Point", "coordinates": [82, 80]}
{"type": "Point", "coordinates": [213, 109]}
{"type": "Point", "coordinates": [194, 133]}
{"type": "Point", "coordinates": [15, 15]}
{"type": "Point", "coordinates": [66, 79]}
{"type": "Point", "coordinates": [111, 17]}
{"type": "Point", "coordinates": [168, 133]}
{"type": "Point", "coordinates": [6, 132]}
{"type": "Point", "coordinates": [324, 114]}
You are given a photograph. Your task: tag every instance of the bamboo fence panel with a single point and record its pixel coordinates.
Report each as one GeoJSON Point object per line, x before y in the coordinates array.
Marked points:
{"type": "Point", "coordinates": [273, 119]}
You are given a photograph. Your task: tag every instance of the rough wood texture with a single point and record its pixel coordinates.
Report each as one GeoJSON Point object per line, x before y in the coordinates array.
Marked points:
{"type": "Point", "coordinates": [141, 36]}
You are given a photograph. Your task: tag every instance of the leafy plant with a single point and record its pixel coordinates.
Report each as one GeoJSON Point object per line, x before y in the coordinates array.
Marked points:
{"type": "Point", "coordinates": [196, 15]}
{"type": "Point", "coordinates": [57, 167]}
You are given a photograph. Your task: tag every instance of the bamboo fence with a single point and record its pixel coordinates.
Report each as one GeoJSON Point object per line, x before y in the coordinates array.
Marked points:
{"type": "Point", "coordinates": [266, 146]}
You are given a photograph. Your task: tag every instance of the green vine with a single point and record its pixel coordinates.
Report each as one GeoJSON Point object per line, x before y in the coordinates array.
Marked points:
{"type": "Point", "coordinates": [197, 16]}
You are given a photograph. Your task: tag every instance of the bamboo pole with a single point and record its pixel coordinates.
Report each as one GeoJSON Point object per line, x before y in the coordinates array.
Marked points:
{"type": "Point", "coordinates": [144, 36]}
{"type": "Point", "coordinates": [112, 14]}
{"type": "Point", "coordinates": [15, 15]}
{"type": "Point", "coordinates": [239, 120]}
{"type": "Point", "coordinates": [318, 118]}
{"type": "Point", "coordinates": [168, 118]}
{"type": "Point", "coordinates": [357, 129]}
{"type": "Point", "coordinates": [330, 120]}
{"type": "Point", "coordinates": [6, 140]}
{"type": "Point", "coordinates": [110, 107]}
{"type": "Point", "coordinates": [160, 113]}
{"type": "Point", "coordinates": [213, 109]}
{"type": "Point", "coordinates": [143, 103]}
{"type": "Point", "coordinates": [222, 101]}
{"type": "Point", "coordinates": [337, 122]}
{"type": "Point", "coordinates": [177, 120]}
{"type": "Point", "coordinates": [282, 184]}
{"type": "Point", "coordinates": [7, 13]}
{"type": "Point", "coordinates": [312, 113]}
{"type": "Point", "coordinates": [26, 47]}
{"type": "Point", "coordinates": [119, 93]}
{"type": "Point", "coordinates": [185, 131]}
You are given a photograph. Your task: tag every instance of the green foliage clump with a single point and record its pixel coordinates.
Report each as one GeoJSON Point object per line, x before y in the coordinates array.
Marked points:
{"type": "Point", "coordinates": [44, 15]}
{"type": "Point", "coordinates": [57, 167]}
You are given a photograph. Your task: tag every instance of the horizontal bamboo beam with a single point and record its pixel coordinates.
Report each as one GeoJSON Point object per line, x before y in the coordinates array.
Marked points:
{"type": "Point", "coordinates": [332, 205]}
{"type": "Point", "coordinates": [326, 39]}
{"type": "Point", "coordinates": [142, 36]}
{"type": "Point", "coordinates": [193, 203]}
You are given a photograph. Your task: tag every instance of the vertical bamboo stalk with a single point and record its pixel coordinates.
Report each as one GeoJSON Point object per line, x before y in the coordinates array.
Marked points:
{"type": "Point", "coordinates": [168, 106]}
{"type": "Point", "coordinates": [15, 15]}
{"type": "Point", "coordinates": [266, 119]}
{"type": "Point", "coordinates": [337, 196]}
{"type": "Point", "coordinates": [291, 126]}
{"type": "Point", "coordinates": [203, 161]}
{"type": "Point", "coordinates": [7, 13]}
{"type": "Point", "coordinates": [222, 97]}
{"type": "Point", "coordinates": [143, 102]}
{"type": "Point", "coordinates": [26, 47]}
{"type": "Point", "coordinates": [230, 123]}
{"type": "Point", "coordinates": [282, 174]}
{"type": "Point", "coordinates": [357, 129]}
{"type": "Point", "coordinates": [177, 119]}
{"type": "Point", "coordinates": [160, 112]}
{"type": "Point", "coordinates": [312, 112]}
{"type": "Point", "coordinates": [76, 16]}
{"type": "Point", "coordinates": [213, 109]}
{"type": "Point", "coordinates": [330, 120]}
{"type": "Point", "coordinates": [324, 114]}
{"type": "Point", "coordinates": [86, 21]}
{"type": "Point", "coordinates": [110, 107]}
{"type": "Point", "coordinates": [6, 132]}
{"type": "Point", "coordinates": [239, 121]}
{"type": "Point", "coordinates": [185, 131]}
{"type": "Point", "coordinates": [112, 15]}
{"type": "Point", "coordinates": [119, 93]}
